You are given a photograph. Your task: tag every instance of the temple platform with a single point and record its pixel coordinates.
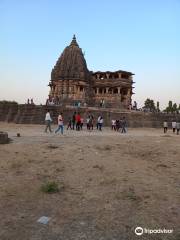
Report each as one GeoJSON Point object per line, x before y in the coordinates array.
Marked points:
{"type": "Point", "coordinates": [35, 114]}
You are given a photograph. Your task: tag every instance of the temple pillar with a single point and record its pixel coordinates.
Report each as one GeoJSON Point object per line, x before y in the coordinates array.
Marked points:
{"type": "Point", "coordinates": [107, 75]}
{"type": "Point", "coordinates": [97, 90]}
{"type": "Point", "coordinates": [107, 90]}
{"type": "Point", "coordinates": [119, 90]}
{"type": "Point", "coordinates": [119, 75]}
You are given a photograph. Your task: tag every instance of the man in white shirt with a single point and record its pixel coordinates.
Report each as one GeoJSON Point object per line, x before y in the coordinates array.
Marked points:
{"type": "Point", "coordinates": [165, 124]}
{"type": "Point", "coordinates": [178, 127]}
{"type": "Point", "coordinates": [48, 121]}
{"type": "Point", "coordinates": [99, 123]}
{"type": "Point", "coordinates": [113, 124]}
{"type": "Point", "coordinates": [174, 126]}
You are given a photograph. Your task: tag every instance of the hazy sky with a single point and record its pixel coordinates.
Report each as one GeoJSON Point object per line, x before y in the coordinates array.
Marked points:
{"type": "Point", "coordinates": [140, 36]}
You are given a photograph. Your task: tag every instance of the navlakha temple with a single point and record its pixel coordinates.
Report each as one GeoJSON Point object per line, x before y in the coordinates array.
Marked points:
{"type": "Point", "coordinates": [72, 82]}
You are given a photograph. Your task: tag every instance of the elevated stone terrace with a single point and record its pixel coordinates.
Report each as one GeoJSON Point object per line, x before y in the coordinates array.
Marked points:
{"type": "Point", "coordinates": [35, 114]}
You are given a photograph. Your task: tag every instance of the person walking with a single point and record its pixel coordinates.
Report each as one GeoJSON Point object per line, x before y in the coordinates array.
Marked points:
{"type": "Point", "coordinates": [100, 123]}
{"type": "Point", "coordinates": [113, 124]}
{"type": "Point", "coordinates": [78, 121]}
{"type": "Point", "coordinates": [124, 125]}
{"type": "Point", "coordinates": [60, 124]}
{"type": "Point", "coordinates": [87, 122]}
{"type": "Point", "coordinates": [82, 123]}
{"type": "Point", "coordinates": [178, 127]}
{"type": "Point", "coordinates": [91, 122]}
{"type": "Point", "coordinates": [73, 120]}
{"type": "Point", "coordinates": [48, 121]}
{"type": "Point", "coordinates": [98, 120]}
{"type": "Point", "coordinates": [69, 124]}
{"type": "Point", "coordinates": [165, 125]}
{"type": "Point", "coordinates": [117, 125]}
{"type": "Point", "coordinates": [174, 126]}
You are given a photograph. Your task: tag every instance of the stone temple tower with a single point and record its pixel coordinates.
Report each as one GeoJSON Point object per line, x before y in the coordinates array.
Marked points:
{"type": "Point", "coordinates": [72, 82]}
{"type": "Point", "coordinates": [70, 77]}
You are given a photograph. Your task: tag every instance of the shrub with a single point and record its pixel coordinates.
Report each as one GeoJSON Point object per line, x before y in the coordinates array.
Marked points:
{"type": "Point", "coordinates": [50, 187]}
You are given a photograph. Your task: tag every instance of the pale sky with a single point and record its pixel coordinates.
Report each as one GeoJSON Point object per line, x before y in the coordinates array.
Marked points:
{"type": "Point", "coordinates": [133, 35]}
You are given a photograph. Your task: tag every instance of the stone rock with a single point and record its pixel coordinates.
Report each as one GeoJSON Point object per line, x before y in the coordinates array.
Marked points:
{"type": "Point", "coordinates": [4, 138]}
{"type": "Point", "coordinates": [43, 220]}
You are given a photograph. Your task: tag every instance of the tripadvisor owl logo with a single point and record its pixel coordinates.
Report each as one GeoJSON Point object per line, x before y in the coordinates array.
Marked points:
{"type": "Point", "coordinates": [139, 231]}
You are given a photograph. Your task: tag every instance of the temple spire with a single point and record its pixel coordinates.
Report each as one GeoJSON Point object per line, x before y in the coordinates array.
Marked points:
{"type": "Point", "coordinates": [73, 42]}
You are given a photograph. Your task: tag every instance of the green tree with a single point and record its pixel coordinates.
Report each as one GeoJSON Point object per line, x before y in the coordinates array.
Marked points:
{"type": "Point", "coordinates": [171, 107]}
{"type": "Point", "coordinates": [170, 104]}
{"type": "Point", "coordinates": [174, 107]}
{"type": "Point", "coordinates": [157, 106]}
{"type": "Point", "coordinates": [149, 104]}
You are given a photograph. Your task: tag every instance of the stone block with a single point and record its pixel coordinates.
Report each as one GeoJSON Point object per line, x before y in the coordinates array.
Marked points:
{"type": "Point", "coordinates": [4, 138]}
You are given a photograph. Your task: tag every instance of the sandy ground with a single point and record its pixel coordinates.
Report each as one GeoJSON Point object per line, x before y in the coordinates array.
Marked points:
{"type": "Point", "coordinates": [110, 183]}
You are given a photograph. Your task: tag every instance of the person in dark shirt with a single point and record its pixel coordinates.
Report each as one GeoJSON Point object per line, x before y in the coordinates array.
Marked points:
{"type": "Point", "coordinates": [73, 120]}
{"type": "Point", "coordinates": [69, 124]}
{"type": "Point", "coordinates": [124, 125]}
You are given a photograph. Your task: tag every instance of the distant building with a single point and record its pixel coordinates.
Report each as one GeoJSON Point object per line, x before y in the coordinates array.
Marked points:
{"type": "Point", "coordinates": [72, 82]}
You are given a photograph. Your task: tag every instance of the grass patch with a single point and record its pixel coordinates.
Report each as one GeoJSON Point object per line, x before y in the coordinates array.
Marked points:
{"type": "Point", "coordinates": [51, 187]}
{"type": "Point", "coordinates": [130, 194]}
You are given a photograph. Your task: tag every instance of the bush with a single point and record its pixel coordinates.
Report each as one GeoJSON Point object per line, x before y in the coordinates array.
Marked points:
{"type": "Point", "coordinates": [8, 102]}
{"type": "Point", "coordinates": [50, 187]}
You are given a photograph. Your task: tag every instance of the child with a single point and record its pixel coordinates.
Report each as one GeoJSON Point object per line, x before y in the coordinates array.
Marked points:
{"type": "Point", "coordinates": [60, 124]}
{"type": "Point", "coordinates": [69, 124]}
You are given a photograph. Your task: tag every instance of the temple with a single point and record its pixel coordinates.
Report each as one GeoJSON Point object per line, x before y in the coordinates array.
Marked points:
{"type": "Point", "coordinates": [72, 82]}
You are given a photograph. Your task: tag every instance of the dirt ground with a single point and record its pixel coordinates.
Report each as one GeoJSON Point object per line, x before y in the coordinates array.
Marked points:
{"type": "Point", "coordinates": [110, 183]}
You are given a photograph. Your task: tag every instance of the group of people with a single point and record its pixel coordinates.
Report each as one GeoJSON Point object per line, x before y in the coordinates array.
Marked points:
{"type": "Point", "coordinates": [52, 101]}
{"type": "Point", "coordinates": [76, 122]}
{"type": "Point", "coordinates": [175, 127]}
{"type": "Point", "coordinates": [133, 106]}
{"type": "Point", "coordinates": [119, 125]}
{"type": "Point", "coordinates": [30, 101]}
